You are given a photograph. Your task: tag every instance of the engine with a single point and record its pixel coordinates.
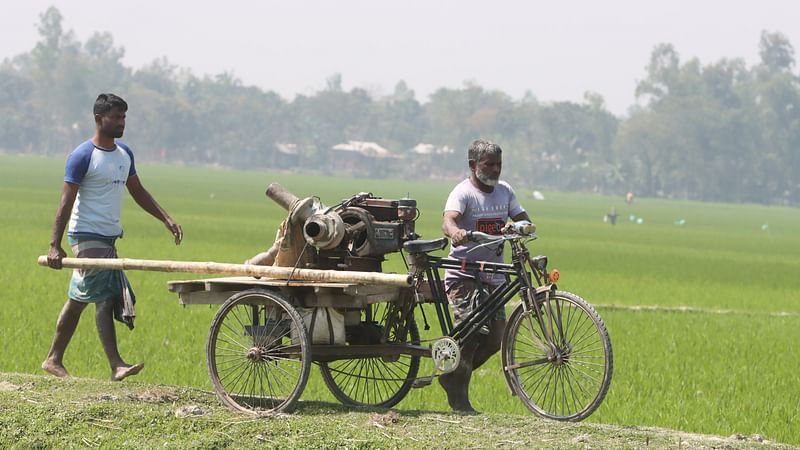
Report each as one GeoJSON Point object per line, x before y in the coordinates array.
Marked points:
{"type": "Point", "coordinates": [355, 234]}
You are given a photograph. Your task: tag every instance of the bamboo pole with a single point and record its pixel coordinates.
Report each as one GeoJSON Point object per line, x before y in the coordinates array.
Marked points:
{"type": "Point", "coordinates": [271, 272]}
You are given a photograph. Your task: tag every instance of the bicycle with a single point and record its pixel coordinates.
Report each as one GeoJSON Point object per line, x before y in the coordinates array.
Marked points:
{"type": "Point", "coordinates": [556, 353]}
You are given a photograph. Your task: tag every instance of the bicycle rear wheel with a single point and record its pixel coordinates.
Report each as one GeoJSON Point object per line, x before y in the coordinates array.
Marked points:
{"type": "Point", "coordinates": [561, 370]}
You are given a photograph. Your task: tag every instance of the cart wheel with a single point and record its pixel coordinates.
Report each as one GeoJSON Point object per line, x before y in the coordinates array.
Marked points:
{"type": "Point", "coordinates": [258, 353]}
{"type": "Point", "coordinates": [375, 381]}
{"type": "Point", "coordinates": [565, 378]}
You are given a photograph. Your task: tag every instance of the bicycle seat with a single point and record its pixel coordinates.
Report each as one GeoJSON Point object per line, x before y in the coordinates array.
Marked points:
{"type": "Point", "coordinates": [425, 246]}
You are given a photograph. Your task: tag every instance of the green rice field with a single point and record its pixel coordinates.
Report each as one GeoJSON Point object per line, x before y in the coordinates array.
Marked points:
{"type": "Point", "coordinates": [704, 317]}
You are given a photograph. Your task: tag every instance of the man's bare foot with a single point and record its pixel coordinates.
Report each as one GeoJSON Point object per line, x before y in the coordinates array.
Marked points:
{"type": "Point", "coordinates": [456, 390]}
{"type": "Point", "coordinates": [120, 373]}
{"type": "Point", "coordinates": [55, 369]}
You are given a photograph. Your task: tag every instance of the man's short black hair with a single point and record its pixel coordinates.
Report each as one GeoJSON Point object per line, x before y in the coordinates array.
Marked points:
{"type": "Point", "coordinates": [107, 102]}
{"type": "Point", "coordinates": [481, 147]}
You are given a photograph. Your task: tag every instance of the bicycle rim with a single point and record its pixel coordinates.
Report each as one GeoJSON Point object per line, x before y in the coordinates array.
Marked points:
{"type": "Point", "coordinates": [558, 372]}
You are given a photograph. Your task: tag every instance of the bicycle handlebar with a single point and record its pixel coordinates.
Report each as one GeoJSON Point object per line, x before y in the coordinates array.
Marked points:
{"type": "Point", "coordinates": [483, 238]}
{"type": "Point", "coordinates": [524, 227]}
{"type": "Point", "coordinates": [515, 230]}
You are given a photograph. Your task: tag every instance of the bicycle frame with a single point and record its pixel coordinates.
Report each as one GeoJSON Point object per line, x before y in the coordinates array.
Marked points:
{"type": "Point", "coordinates": [518, 281]}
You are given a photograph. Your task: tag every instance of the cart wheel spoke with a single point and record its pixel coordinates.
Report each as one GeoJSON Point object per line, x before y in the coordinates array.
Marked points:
{"type": "Point", "coordinates": [258, 353]}
{"type": "Point", "coordinates": [374, 381]}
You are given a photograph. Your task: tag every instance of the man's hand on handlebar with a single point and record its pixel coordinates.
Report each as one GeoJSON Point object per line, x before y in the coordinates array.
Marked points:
{"type": "Point", "coordinates": [460, 237]}
{"type": "Point", "coordinates": [522, 227]}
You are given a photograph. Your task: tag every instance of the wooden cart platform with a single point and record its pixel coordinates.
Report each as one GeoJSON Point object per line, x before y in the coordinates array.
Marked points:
{"type": "Point", "coordinates": [214, 291]}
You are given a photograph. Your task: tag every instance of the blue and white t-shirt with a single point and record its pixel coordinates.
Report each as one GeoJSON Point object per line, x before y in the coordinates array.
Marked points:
{"type": "Point", "coordinates": [485, 212]}
{"type": "Point", "coordinates": [102, 175]}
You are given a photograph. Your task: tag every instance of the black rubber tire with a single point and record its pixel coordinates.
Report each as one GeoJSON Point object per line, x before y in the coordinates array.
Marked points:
{"type": "Point", "coordinates": [565, 388]}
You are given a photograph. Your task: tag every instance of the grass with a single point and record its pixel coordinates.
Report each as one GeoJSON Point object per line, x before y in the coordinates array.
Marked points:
{"type": "Point", "coordinates": [726, 368]}
{"type": "Point", "coordinates": [44, 412]}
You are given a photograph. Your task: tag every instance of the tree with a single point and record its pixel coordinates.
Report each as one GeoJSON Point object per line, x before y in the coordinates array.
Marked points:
{"type": "Point", "coordinates": [662, 74]}
{"type": "Point", "coordinates": [776, 52]}
{"type": "Point", "coordinates": [711, 131]}
{"type": "Point", "coordinates": [16, 118]}
{"type": "Point", "coordinates": [399, 119]}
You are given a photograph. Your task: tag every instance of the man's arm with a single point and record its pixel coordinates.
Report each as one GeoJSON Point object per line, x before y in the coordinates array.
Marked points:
{"type": "Point", "coordinates": [68, 194]}
{"type": "Point", "coordinates": [451, 229]}
{"type": "Point", "coordinates": [149, 204]}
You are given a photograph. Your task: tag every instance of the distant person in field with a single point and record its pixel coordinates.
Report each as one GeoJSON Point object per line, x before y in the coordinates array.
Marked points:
{"type": "Point", "coordinates": [479, 203]}
{"type": "Point", "coordinates": [611, 217]}
{"type": "Point", "coordinates": [97, 172]}
{"type": "Point", "coordinates": [629, 198]}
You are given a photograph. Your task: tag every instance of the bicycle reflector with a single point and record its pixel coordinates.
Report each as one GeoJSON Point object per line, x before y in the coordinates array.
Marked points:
{"type": "Point", "coordinates": [554, 275]}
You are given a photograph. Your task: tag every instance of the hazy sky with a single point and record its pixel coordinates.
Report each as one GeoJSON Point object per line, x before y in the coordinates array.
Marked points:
{"type": "Point", "coordinates": [556, 50]}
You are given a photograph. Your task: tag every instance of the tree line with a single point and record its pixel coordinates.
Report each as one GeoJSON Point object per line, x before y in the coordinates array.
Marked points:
{"type": "Point", "coordinates": [723, 131]}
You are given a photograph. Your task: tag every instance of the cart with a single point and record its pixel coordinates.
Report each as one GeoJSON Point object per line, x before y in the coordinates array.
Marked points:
{"type": "Point", "coordinates": [265, 336]}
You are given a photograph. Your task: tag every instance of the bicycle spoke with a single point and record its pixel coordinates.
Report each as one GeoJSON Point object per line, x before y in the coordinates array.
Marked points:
{"type": "Point", "coordinates": [567, 381]}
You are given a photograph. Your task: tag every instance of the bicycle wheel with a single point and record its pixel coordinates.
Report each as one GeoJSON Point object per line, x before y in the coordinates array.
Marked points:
{"type": "Point", "coordinates": [375, 381]}
{"type": "Point", "coordinates": [566, 377]}
{"type": "Point", "coordinates": [258, 353]}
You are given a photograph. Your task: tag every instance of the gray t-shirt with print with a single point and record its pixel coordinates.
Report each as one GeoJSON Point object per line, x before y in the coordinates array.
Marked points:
{"type": "Point", "coordinates": [480, 211]}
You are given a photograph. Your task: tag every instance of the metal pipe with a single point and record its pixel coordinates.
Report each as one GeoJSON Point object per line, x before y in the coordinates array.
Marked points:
{"type": "Point", "coordinates": [281, 196]}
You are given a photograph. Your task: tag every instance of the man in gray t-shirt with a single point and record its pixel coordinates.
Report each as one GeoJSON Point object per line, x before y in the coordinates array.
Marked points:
{"type": "Point", "coordinates": [480, 203]}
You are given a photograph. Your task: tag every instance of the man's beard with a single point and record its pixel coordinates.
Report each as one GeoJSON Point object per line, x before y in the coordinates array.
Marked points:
{"type": "Point", "coordinates": [114, 132]}
{"type": "Point", "coordinates": [485, 179]}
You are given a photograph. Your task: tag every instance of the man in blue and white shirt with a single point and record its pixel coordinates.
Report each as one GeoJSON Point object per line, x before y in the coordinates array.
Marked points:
{"type": "Point", "coordinates": [97, 173]}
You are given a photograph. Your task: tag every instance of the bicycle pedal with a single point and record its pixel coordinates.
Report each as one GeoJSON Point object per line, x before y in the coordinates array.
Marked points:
{"type": "Point", "coordinates": [421, 382]}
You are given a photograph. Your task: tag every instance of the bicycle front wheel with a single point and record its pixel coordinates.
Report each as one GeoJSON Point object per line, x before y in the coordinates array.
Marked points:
{"type": "Point", "coordinates": [558, 362]}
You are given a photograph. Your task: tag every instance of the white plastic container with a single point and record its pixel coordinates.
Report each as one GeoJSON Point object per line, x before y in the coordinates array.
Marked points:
{"type": "Point", "coordinates": [323, 325]}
